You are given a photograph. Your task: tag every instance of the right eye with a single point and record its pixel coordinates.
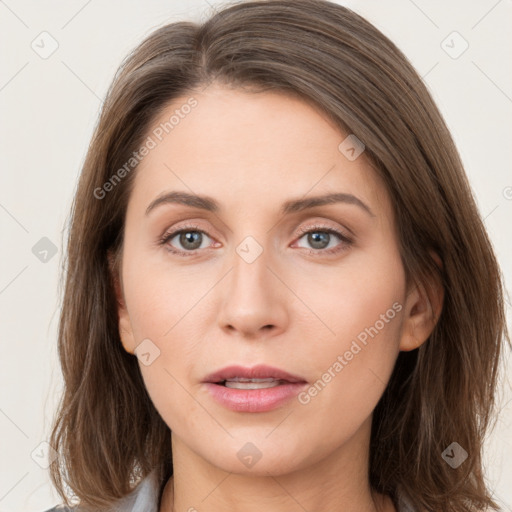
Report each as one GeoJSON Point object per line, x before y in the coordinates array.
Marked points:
{"type": "Point", "coordinates": [191, 240]}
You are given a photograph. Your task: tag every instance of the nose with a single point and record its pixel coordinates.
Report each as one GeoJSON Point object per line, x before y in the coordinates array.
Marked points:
{"type": "Point", "coordinates": [252, 303]}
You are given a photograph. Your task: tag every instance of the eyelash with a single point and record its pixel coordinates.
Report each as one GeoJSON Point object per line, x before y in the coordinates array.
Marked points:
{"type": "Point", "coordinates": [346, 242]}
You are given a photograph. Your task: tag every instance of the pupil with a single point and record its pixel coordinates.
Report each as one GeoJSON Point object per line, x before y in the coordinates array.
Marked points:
{"type": "Point", "coordinates": [188, 237]}
{"type": "Point", "coordinates": [319, 237]}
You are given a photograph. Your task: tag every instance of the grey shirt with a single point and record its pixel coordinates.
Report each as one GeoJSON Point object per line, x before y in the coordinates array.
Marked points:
{"type": "Point", "coordinates": [144, 498]}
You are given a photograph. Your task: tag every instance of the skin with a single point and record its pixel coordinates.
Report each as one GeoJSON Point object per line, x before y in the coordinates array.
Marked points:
{"type": "Point", "coordinates": [252, 152]}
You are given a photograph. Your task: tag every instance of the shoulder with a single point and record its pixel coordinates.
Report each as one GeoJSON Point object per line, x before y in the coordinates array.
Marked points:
{"type": "Point", "coordinates": [143, 498]}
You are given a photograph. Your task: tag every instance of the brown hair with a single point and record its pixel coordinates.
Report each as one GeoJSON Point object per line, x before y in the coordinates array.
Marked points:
{"type": "Point", "coordinates": [107, 432]}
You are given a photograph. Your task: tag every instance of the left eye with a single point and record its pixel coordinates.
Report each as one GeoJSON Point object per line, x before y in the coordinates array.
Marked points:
{"type": "Point", "coordinates": [321, 239]}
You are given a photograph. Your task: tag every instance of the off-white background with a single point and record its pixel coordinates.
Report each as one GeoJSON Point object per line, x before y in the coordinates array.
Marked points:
{"type": "Point", "coordinates": [49, 107]}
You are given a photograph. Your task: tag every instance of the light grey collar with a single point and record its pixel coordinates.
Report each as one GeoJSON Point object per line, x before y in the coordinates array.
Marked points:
{"type": "Point", "coordinates": [144, 498]}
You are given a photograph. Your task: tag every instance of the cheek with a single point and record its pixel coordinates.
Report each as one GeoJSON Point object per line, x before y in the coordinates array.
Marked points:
{"type": "Point", "coordinates": [350, 375]}
{"type": "Point", "coordinates": [351, 362]}
{"type": "Point", "coordinates": [162, 299]}
{"type": "Point", "coordinates": [360, 299]}
{"type": "Point", "coordinates": [164, 306]}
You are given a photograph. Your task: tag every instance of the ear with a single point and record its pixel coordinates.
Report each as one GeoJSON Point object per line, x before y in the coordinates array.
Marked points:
{"type": "Point", "coordinates": [124, 324]}
{"type": "Point", "coordinates": [423, 307]}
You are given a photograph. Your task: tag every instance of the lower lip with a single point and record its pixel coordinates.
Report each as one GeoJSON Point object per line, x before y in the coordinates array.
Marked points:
{"type": "Point", "coordinates": [254, 400]}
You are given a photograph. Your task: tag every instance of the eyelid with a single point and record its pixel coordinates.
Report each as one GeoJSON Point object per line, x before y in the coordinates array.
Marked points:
{"type": "Point", "coordinates": [325, 226]}
{"type": "Point", "coordinates": [318, 221]}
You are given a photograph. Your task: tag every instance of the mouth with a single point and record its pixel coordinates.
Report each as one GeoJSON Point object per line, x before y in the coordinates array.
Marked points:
{"type": "Point", "coordinates": [257, 389]}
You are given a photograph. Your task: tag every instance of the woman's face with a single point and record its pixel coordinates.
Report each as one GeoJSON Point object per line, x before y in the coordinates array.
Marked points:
{"type": "Point", "coordinates": [261, 280]}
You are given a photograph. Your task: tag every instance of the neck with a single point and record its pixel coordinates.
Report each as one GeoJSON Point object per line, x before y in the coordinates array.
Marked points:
{"type": "Point", "coordinates": [337, 482]}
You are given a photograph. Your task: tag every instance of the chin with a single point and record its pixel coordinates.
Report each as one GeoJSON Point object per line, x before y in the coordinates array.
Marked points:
{"type": "Point", "coordinates": [257, 455]}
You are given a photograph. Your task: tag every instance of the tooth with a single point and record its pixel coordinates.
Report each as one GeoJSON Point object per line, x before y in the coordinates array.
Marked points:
{"type": "Point", "coordinates": [244, 379]}
{"type": "Point", "coordinates": [252, 385]}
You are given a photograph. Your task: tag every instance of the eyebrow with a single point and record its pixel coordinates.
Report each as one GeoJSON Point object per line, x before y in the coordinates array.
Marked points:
{"type": "Point", "coordinates": [291, 206]}
{"type": "Point", "coordinates": [195, 201]}
{"type": "Point", "coordinates": [297, 205]}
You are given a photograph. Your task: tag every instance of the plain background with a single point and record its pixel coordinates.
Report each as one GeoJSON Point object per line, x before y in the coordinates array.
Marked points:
{"type": "Point", "coordinates": [49, 107]}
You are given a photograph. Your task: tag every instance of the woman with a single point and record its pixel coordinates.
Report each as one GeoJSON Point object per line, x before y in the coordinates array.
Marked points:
{"type": "Point", "coordinates": [279, 292]}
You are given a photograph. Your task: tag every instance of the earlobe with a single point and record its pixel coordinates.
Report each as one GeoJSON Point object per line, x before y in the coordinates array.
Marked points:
{"type": "Point", "coordinates": [422, 311]}
{"type": "Point", "coordinates": [124, 324]}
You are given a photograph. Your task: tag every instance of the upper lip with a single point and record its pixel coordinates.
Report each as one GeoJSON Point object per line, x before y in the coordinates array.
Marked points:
{"type": "Point", "coordinates": [256, 372]}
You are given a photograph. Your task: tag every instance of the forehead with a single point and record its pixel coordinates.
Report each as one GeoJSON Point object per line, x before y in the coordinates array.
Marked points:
{"type": "Point", "coordinates": [245, 147]}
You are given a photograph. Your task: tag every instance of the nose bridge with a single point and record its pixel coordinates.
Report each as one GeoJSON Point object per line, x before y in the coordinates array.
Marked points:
{"type": "Point", "coordinates": [250, 266]}
{"type": "Point", "coordinates": [251, 299]}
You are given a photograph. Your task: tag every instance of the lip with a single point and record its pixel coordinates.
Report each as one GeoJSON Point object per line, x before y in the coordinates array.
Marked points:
{"type": "Point", "coordinates": [260, 371]}
{"type": "Point", "coordinates": [253, 400]}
